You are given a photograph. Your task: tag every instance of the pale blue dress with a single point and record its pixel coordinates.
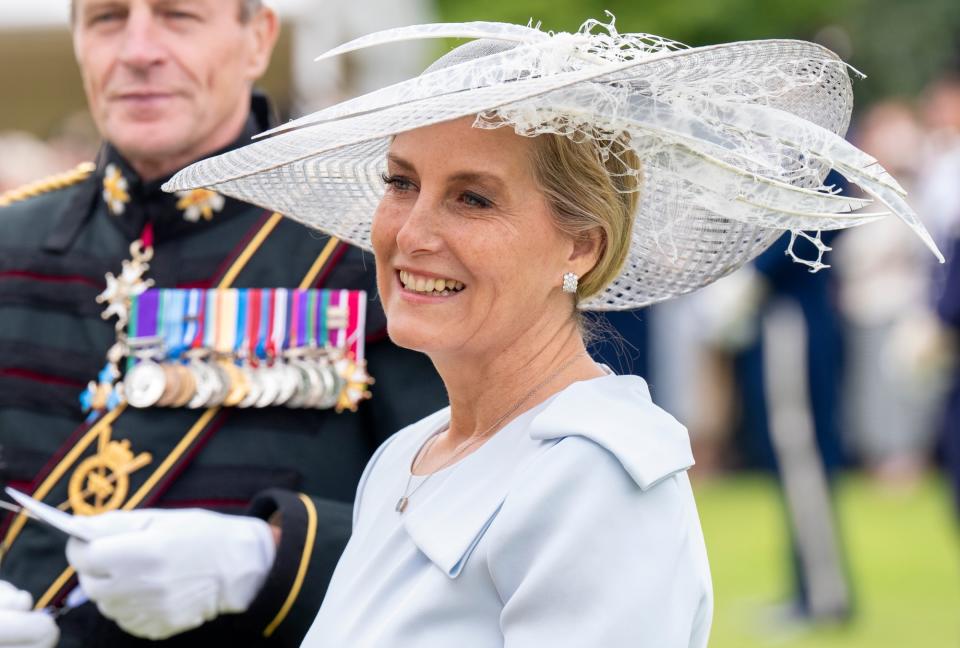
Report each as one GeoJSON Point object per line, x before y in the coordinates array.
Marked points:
{"type": "Point", "coordinates": [573, 527]}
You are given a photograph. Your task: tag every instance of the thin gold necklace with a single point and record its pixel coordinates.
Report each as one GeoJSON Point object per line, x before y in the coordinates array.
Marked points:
{"type": "Point", "coordinates": [460, 449]}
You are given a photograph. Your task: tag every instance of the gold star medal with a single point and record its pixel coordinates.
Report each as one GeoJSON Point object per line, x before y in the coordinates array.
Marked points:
{"type": "Point", "coordinates": [115, 190]}
{"type": "Point", "coordinates": [199, 203]}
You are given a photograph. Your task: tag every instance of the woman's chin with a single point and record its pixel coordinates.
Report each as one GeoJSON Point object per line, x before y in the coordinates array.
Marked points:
{"type": "Point", "coordinates": [414, 337]}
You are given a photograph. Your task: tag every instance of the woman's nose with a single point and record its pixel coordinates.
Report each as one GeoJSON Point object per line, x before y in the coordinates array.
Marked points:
{"type": "Point", "coordinates": [418, 233]}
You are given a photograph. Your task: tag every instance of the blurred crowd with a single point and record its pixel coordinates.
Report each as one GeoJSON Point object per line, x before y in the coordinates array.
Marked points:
{"type": "Point", "coordinates": [24, 157]}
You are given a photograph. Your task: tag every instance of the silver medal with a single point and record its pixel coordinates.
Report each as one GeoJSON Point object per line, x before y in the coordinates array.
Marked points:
{"type": "Point", "coordinates": [289, 380]}
{"type": "Point", "coordinates": [220, 383]}
{"type": "Point", "coordinates": [305, 385]}
{"type": "Point", "coordinates": [332, 385]}
{"type": "Point", "coordinates": [206, 381]}
{"type": "Point", "coordinates": [270, 383]}
{"type": "Point", "coordinates": [255, 387]}
{"type": "Point", "coordinates": [144, 384]}
{"type": "Point", "coordinates": [318, 390]}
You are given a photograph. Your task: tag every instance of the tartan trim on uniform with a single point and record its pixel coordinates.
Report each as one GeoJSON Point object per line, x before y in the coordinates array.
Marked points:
{"type": "Point", "coordinates": [335, 258]}
{"type": "Point", "coordinates": [207, 486]}
{"type": "Point", "coordinates": [228, 263]}
{"type": "Point", "coordinates": [28, 360]}
{"type": "Point", "coordinates": [37, 276]}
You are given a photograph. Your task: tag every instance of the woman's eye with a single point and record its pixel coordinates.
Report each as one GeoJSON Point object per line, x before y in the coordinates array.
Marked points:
{"type": "Point", "coordinates": [397, 183]}
{"type": "Point", "coordinates": [471, 199]}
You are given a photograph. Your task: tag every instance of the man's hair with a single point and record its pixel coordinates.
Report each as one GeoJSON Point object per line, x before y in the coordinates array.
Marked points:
{"type": "Point", "coordinates": [248, 9]}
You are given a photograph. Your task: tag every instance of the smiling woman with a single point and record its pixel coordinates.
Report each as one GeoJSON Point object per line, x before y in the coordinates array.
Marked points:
{"type": "Point", "coordinates": [464, 205]}
{"type": "Point", "coordinates": [523, 177]}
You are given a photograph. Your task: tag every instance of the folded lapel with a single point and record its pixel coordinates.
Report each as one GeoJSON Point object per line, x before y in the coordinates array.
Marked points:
{"type": "Point", "coordinates": [617, 413]}
{"type": "Point", "coordinates": [447, 524]}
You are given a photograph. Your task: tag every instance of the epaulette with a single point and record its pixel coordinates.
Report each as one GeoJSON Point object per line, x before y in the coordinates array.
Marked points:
{"type": "Point", "coordinates": [50, 183]}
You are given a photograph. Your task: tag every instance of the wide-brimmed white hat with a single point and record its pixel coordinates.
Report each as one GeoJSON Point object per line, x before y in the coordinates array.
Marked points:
{"type": "Point", "coordinates": [735, 141]}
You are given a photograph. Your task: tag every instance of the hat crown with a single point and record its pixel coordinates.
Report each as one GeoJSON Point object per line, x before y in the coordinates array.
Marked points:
{"type": "Point", "coordinates": [475, 49]}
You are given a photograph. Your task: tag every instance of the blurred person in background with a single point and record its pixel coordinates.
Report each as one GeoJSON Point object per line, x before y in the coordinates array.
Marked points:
{"type": "Point", "coordinates": [23, 159]}
{"type": "Point", "coordinates": [947, 353]}
{"type": "Point", "coordinates": [321, 83]}
{"type": "Point", "coordinates": [885, 299]}
{"type": "Point", "coordinates": [75, 140]}
{"type": "Point", "coordinates": [938, 191]}
{"type": "Point", "coordinates": [938, 353]}
{"type": "Point", "coordinates": [170, 82]}
{"type": "Point", "coordinates": [788, 363]}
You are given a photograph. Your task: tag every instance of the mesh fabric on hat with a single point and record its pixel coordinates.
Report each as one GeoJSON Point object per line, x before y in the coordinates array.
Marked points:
{"type": "Point", "coordinates": [676, 247]}
{"type": "Point", "coordinates": [735, 141]}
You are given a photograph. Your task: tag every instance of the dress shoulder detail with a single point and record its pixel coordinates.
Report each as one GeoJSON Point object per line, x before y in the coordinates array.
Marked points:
{"type": "Point", "coordinates": [616, 412]}
{"type": "Point", "coordinates": [45, 185]}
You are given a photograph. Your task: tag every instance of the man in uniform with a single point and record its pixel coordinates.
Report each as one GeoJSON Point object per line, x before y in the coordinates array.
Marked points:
{"type": "Point", "coordinates": [169, 82]}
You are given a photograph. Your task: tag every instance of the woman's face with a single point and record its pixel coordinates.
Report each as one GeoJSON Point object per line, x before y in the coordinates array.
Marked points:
{"type": "Point", "coordinates": [468, 256]}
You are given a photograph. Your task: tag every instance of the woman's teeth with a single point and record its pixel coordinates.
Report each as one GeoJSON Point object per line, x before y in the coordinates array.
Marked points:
{"type": "Point", "coordinates": [429, 285]}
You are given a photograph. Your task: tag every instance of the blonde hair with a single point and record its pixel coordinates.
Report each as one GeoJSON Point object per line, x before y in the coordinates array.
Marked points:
{"type": "Point", "coordinates": [591, 184]}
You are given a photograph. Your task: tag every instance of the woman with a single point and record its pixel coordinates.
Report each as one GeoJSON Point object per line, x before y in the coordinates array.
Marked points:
{"type": "Point", "coordinates": [524, 178]}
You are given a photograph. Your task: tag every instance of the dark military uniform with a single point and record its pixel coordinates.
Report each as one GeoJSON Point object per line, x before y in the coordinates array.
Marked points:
{"type": "Point", "coordinates": [55, 249]}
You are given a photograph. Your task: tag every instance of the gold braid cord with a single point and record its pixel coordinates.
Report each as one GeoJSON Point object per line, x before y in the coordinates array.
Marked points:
{"type": "Point", "coordinates": [46, 185]}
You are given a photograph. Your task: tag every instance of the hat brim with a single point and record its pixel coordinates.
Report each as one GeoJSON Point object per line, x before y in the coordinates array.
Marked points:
{"type": "Point", "coordinates": [325, 169]}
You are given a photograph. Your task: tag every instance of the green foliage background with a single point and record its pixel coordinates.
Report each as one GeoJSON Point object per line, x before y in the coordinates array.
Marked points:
{"type": "Point", "coordinates": [899, 44]}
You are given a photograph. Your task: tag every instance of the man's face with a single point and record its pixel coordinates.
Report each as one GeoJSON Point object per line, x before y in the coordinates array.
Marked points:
{"type": "Point", "coordinates": [168, 80]}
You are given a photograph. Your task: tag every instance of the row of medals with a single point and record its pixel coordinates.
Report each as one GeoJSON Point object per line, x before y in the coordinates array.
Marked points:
{"type": "Point", "coordinates": [309, 382]}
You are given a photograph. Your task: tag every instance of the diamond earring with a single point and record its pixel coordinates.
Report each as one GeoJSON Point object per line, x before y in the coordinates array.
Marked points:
{"type": "Point", "coordinates": [570, 281]}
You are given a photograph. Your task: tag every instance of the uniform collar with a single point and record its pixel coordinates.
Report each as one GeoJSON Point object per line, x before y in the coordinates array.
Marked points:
{"type": "Point", "coordinates": [615, 412]}
{"type": "Point", "coordinates": [130, 203]}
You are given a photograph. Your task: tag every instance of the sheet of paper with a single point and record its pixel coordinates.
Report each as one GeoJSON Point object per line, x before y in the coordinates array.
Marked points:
{"type": "Point", "coordinates": [72, 525]}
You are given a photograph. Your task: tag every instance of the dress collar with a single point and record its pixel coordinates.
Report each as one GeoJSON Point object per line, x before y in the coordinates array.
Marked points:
{"type": "Point", "coordinates": [615, 412]}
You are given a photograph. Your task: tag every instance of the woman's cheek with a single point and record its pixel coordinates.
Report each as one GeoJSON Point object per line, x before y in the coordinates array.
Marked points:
{"type": "Point", "coordinates": [378, 235]}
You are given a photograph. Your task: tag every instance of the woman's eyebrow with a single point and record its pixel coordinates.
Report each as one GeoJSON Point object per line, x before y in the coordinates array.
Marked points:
{"type": "Point", "coordinates": [398, 161]}
{"type": "Point", "coordinates": [488, 180]}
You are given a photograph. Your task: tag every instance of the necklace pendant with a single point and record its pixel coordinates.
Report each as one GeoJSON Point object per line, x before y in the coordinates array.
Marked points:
{"type": "Point", "coordinates": [402, 504]}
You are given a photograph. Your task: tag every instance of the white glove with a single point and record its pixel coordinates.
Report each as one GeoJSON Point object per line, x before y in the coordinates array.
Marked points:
{"type": "Point", "coordinates": [20, 627]}
{"type": "Point", "coordinates": [180, 569]}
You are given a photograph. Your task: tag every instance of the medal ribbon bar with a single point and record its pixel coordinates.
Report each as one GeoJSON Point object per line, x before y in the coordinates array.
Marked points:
{"type": "Point", "coordinates": [247, 348]}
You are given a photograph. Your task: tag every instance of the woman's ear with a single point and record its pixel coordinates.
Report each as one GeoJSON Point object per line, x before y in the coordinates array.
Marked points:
{"type": "Point", "coordinates": [587, 249]}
